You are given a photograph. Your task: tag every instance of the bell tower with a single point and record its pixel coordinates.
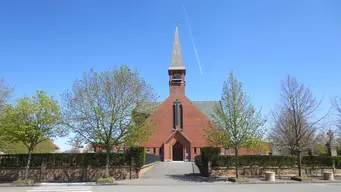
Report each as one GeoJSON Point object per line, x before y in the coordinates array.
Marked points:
{"type": "Point", "coordinates": [176, 70]}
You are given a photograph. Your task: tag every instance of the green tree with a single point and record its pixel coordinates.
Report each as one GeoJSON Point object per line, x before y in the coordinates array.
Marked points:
{"type": "Point", "coordinates": [31, 121]}
{"type": "Point", "coordinates": [99, 108]}
{"type": "Point", "coordinates": [44, 147]}
{"type": "Point", "coordinates": [5, 93]}
{"type": "Point", "coordinates": [236, 122]}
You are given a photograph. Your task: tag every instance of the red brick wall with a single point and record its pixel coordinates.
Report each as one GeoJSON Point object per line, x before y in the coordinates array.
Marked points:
{"type": "Point", "coordinates": [194, 121]}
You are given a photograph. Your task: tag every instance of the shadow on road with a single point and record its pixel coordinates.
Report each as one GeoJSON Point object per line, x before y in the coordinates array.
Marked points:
{"type": "Point", "coordinates": [196, 177]}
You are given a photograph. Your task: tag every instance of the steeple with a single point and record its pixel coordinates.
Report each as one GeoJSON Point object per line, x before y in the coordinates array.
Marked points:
{"type": "Point", "coordinates": [176, 63]}
{"type": "Point", "coordinates": [176, 70]}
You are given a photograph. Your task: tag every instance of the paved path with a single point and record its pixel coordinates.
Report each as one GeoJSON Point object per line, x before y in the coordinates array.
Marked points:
{"type": "Point", "coordinates": [172, 173]}
{"type": "Point", "coordinates": [166, 170]}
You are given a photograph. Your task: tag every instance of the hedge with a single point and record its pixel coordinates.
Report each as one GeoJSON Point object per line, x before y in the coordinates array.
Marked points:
{"type": "Point", "coordinates": [76, 160]}
{"type": "Point", "coordinates": [140, 155]}
{"type": "Point", "coordinates": [209, 154]}
{"type": "Point", "coordinates": [255, 160]}
{"type": "Point", "coordinates": [213, 154]}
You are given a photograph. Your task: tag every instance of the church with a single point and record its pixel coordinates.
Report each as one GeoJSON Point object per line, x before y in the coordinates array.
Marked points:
{"type": "Point", "coordinates": [179, 128]}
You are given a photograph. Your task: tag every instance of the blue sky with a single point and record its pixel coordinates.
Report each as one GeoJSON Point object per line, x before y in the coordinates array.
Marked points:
{"type": "Point", "coordinates": [48, 44]}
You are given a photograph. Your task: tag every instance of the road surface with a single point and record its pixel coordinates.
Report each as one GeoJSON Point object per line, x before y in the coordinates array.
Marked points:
{"type": "Point", "coordinates": [185, 188]}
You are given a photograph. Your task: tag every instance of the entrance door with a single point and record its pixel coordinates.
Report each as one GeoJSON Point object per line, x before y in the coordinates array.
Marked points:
{"type": "Point", "coordinates": [178, 154]}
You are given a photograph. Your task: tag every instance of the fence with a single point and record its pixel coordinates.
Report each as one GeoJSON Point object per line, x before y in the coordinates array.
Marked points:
{"type": "Point", "coordinates": [150, 158]}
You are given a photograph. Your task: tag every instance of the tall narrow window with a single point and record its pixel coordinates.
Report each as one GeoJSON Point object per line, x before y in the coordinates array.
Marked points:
{"type": "Point", "coordinates": [176, 112]}
{"type": "Point", "coordinates": [174, 115]}
{"type": "Point", "coordinates": [181, 117]}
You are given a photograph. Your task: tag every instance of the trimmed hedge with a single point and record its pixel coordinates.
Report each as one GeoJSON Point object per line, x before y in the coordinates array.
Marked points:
{"type": "Point", "coordinates": [74, 160]}
{"type": "Point", "coordinates": [140, 155]}
{"type": "Point", "coordinates": [275, 161]}
{"type": "Point", "coordinates": [318, 161]}
{"type": "Point", "coordinates": [255, 160]}
{"type": "Point", "coordinates": [209, 154]}
{"type": "Point", "coordinates": [213, 154]}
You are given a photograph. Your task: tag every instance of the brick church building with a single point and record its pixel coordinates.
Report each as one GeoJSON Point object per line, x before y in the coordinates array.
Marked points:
{"type": "Point", "coordinates": [178, 132]}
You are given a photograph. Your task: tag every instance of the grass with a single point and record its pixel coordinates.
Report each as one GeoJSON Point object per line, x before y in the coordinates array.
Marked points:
{"type": "Point", "coordinates": [108, 179]}
{"type": "Point", "coordinates": [298, 178]}
{"type": "Point", "coordinates": [303, 177]}
{"type": "Point", "coordinates": [23, 181]}
{"type": "Point", "coordinates": [235, 179]}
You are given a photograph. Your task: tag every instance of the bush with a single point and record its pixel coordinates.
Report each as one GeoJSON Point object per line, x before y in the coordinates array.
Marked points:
{"type": "Point", "coordinates": [209, 154]}
{"type": "Point", "coordinates": [140, 155]}
{"type": "Point", "coordinates": [337, 161]}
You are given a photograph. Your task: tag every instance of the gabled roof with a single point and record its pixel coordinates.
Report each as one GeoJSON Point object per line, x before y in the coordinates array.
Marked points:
{"type": "Point", "coordinates": [206, 107]}
{"type": "Point", "coordinates": [181, 133]}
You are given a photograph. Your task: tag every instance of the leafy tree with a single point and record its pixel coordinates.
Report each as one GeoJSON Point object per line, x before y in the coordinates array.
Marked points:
{"type": "Point", "coordinates": [5, 93]}
{"type": "Point", "coordinates": [31, 121]}
{"type": "Point", "coordinates": [236, 122]}
{"type": "Point", "coordinates": [46, 146]}
{"type": "Point", "coordinates": [99, 108]}
{"type": "Point", "coordinates": [295, 122]}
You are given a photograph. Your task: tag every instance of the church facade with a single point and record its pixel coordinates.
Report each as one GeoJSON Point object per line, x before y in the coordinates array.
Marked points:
{"type": "Point", "coordinates": [179, 128]}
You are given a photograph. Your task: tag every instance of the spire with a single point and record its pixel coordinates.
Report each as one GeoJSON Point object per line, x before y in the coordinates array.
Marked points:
{"type": "Point", "coordinates": [176, 62]}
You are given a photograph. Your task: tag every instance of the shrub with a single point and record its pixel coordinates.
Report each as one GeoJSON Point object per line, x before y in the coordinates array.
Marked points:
{"type": "Point", "coordinates": [337, 161]}
{"type": "Point", "coordinates": [140, 155]}
{"type": "Point", "coordinates": [209, 154]}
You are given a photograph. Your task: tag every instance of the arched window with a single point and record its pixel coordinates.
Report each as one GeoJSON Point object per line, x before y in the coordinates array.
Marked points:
{"type": "Point", "coordinates": [181, 117]}
{"type": "Point", "coordinates": [174, 115]}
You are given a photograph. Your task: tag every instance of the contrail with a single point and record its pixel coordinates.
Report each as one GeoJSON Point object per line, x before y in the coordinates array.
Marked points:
{"type": "Point", "coordinates": [190, 32]}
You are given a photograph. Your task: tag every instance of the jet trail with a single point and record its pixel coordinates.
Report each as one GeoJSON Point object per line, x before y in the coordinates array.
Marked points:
{"type": "Point", "coordinates": [190, 32]}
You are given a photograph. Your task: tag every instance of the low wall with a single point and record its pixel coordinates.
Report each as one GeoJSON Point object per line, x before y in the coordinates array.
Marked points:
{"type": "Point", "coordinates": [280, 172]}
{"type": "Point", "coordinates": [67, 174]}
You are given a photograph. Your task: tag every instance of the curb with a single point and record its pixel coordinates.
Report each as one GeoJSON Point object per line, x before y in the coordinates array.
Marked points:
{"type": "Point", "coordinates": [53, 184]}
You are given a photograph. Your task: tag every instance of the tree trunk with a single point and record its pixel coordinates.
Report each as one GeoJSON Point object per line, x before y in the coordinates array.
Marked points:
{"type": "Point", "coordinates": [237, 162]}
{"type": "Point", "coordinates": [28, 163]}
{"type": "Point", "coordinates": [107, 163]}
{"type": "Point", "coordinates": [299, 163]}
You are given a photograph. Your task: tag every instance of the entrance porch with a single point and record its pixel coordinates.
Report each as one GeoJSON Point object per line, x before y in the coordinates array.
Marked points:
{"type": "Point", "coordinates": [177, 148]}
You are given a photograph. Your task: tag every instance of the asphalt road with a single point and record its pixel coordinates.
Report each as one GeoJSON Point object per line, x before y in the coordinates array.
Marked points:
{"type": "Point", "coordinates": [184, 188]}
